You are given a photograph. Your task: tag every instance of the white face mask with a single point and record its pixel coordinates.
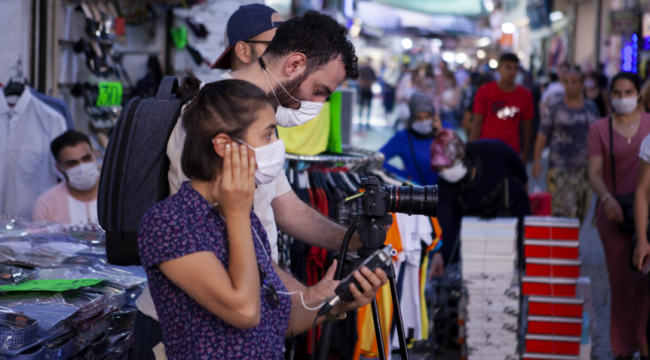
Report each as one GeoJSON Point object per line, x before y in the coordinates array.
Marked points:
{"type": "Point", "coordinates": [287, 117]}
{"type": "Point", "coordinates": [270, 161]}
{"type": "Point", "coordinates": [454, 173]}
{"type": "Point", "coordinates": [423, 127]}
{"type": "Point", "coordinates": [84, 176]}
{"type": "Point", "coordinates": [624, 106]}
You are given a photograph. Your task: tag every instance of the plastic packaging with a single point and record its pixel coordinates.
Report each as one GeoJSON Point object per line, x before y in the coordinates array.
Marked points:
{"type": "Point", "coordinates": [17, 330]}
{"type": "Point", "coordinates": [85, 260]}
{"type": "Point", "coordinates": [61, 347]}
{"type": "Point", "coordinates": [90, 302]}
{"type": "Point", "coordinates": [49, 317]}
{"type": "Point", "coordinates": [122, 320]}
{"type": "Point", "coordinates": [133, 294]}
{"type": "Point", "coordinates": [116, 295]}
{"type": "Point", "coordinates": [13, 275]}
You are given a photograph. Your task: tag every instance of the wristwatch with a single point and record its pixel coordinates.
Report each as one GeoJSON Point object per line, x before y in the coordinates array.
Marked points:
{"type": "Point", "coordinates": [335, 319]}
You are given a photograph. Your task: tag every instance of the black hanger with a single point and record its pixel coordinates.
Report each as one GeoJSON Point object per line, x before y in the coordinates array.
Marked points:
{"type": "Point", "coordinates": [14, 88]}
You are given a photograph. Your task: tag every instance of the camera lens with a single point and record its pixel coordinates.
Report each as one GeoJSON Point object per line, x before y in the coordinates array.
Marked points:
{"type": "Point", "coordinates": [413, 200]}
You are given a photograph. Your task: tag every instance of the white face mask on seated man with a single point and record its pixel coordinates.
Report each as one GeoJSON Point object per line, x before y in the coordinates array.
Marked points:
{"type": "Point", "coordinates": [83, 176]}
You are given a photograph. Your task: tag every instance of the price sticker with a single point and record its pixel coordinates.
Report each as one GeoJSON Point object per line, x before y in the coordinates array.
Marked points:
{"type": "Point", "coordinates": [110, 93]}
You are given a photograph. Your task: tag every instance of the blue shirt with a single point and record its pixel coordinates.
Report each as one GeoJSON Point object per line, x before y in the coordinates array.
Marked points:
{"type": "Point", "coordinates": [416, 158]}
{"type": "Point", "coordinates": [184, 224]}
{"type": "Point", "coordinates": [57, 105]}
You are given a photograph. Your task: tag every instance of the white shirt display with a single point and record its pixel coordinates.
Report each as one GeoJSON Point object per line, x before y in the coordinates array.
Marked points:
{"type": "Point", "coordinates": [413, 230]}
{"type": "Point", "coordinates": [82, 213]}
{"type": "Point", "coordinates": [26, 164]}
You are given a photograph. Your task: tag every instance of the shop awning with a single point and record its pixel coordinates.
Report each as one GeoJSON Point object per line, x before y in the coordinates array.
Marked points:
{"type": "Point", "coordinates": [438, 7]}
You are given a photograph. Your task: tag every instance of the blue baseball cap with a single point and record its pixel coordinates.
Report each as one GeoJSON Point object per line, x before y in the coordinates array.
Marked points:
{"type": "Point", "coordinates": [248, 21]}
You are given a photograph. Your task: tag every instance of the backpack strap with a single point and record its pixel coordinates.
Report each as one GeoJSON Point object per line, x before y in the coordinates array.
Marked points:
{"type": "Point", "coordinates": [168, 86]}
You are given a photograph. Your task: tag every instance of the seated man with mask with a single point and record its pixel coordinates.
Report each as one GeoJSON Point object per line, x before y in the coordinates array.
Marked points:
{"type": "Point", "coordinates": [75, 200]}
{"type": "Point", "coordinates": [485, 178]}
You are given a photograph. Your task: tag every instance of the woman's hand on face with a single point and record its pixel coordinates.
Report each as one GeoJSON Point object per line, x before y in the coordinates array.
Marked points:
{"type": "Point", "coordinates": [370, 283]}
{"type": "Point", "coordinates": [641, 253]}
{"type": "Point", "coordinates": [613, 210]}
{"type": "Point", "coordinates": [235, 189]}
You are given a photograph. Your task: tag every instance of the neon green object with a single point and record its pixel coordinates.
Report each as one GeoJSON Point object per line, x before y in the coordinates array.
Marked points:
{"type": "Point", "coordinates": [335, 143]}
{"type": "Point", "coordinates": [110, 93]}
{"type": "Point", "coordinates": [56, 285]}
{"type": "Point", "coordinates": [179, 35]}
{"type": "Point", "coordinates": [310, 138]}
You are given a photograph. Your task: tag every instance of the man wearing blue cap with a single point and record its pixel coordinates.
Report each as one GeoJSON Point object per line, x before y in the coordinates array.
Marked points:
{"type": "Point", "coordinates": [249, 32]}
{"type": "Point", "coordinates": [306, 59]}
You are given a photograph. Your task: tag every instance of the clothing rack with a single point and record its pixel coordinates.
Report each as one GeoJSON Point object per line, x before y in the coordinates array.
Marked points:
{"type": "Point", "coordinates": [351, 156]}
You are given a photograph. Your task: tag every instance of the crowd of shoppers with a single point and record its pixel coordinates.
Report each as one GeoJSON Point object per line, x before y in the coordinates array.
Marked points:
{"type": "Point", "coordinates": [593, 128]}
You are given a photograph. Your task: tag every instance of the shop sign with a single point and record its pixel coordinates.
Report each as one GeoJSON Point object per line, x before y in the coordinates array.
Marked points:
{"type": "Point", "coordinates": [623, 22]}
{"type": "Point", "coordinates": [645, 27]}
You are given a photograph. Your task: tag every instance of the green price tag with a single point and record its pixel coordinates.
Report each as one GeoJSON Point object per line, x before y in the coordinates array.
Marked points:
{"type": "Point", "coordinates": [179, 35]}
{"type": "Point", "coordinates": [51, 285]}
{"type": "Point", "coordinates": [110, 93]}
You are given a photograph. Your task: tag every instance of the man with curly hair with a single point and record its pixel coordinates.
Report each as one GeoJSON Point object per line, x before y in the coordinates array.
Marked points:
{"type": "Point", "coordinates": [307, 59]}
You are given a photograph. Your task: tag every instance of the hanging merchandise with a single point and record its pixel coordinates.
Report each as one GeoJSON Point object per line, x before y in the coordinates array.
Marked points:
{"type": "Point", "coordinates": [324, 182]}
{"type": "Point", "coordinates": [198, 28]}
{"type": "Point", "coordinates": [335, 142]}
{"type": "Point", "coordinates": [26, 164]}
{"type": "Point", "coordinates": [179, 35]}
{"type": "Point", "coordinates": [309, 139]}
{"type": "Point", "coordinates": [102, 102]}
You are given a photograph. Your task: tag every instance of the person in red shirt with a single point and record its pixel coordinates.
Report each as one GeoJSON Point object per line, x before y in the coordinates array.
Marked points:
{"type": "Point", "coordinates": [501, 108]}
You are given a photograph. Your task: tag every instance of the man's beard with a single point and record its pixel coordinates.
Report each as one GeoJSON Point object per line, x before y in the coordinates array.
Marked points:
{"type": "Point", "coordinates": [293, 88]}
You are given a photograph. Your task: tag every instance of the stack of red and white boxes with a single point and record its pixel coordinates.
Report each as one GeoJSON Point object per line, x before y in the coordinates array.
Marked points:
{"type": "Point", "coordinates": [551, 250]}
{"type": "Point", "coordinates": [488, 250]}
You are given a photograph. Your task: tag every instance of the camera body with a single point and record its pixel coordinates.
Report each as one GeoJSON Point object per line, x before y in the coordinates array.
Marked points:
{"type": "Point", "coordinates": [376, 198]}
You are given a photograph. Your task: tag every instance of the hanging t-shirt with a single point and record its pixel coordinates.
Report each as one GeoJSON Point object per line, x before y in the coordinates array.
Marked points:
{"type": "Point", "coordinates": [503, 112]}
{"type": "Point", "coordinates": [81, 212]}
{"type": "Point", "coordinates": [413, 231]}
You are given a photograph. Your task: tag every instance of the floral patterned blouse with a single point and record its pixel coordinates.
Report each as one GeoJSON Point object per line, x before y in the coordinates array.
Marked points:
{"type": "Point", "coordinates": [566, 130]}
{"type": "Point", "coordinates": [184, 224]}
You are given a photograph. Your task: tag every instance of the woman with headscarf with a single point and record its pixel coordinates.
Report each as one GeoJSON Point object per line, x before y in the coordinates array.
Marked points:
{"type": "Point", "coordinates": [412, 145]}
{"type": "Point", "coordinates": [484, 178]}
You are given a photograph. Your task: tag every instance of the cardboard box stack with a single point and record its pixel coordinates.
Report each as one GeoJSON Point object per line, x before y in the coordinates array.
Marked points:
{"type": "Point", "coordinates": [555, 315]}
{"type": "Point", "coordinates": [489, 254]}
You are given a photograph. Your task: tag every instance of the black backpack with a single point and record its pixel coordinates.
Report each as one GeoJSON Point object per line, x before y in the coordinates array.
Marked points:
{"type": "Point", "coordinates": [134, 172]}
